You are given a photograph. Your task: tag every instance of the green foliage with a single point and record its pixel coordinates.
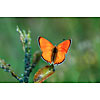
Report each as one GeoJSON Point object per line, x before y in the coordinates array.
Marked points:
{"type": "Point", "coordinates": [82, 61]}
{"type": "Point", "coordinates": [44, 73]}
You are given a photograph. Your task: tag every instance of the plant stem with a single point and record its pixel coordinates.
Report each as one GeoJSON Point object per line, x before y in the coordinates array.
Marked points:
{"type": "Point", "coordinates": [16, 76]}
{"type": "Point", "coordinates": [7, 68]}
{"type": "Point", "coordinates": [26, 42]}
{"type": "Point", "coordinates": [28, 68]}
{"type": "Point", "coordinates": [27, 64]}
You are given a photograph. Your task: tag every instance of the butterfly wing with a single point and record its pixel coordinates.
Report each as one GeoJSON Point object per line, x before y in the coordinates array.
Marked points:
{"type": "Point", "coordinates": [62, 50]}
{"type": "Point", "coordinates": [46, 48]}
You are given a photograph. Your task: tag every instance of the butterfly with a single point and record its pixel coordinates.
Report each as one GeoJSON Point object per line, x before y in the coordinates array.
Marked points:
{"type": "Point", "coordinates": [53, 54]}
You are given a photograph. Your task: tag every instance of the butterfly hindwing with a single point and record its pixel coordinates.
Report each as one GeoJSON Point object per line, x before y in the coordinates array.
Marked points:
{"type": "Point", "coordinates": [62, 50]}
{"type": "Point", "coordinates": [46, 48]}
{"type": "Point", "coordinates": [59, 58]}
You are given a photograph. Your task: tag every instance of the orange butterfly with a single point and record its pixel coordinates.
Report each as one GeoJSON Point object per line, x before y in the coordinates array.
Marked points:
{"type": "Point", "coordinates": [53, 54]}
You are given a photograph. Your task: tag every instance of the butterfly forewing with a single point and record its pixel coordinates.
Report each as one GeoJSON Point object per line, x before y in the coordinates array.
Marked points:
{"type": "Point", "coordinates": [64, 46]}
{"type": "Point", "coordinates": [46, 48]}
{"type": "Point", "coordinates": [62, 50]}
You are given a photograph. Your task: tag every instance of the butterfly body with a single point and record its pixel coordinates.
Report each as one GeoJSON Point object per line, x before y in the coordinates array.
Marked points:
{"type": "Point", "coordinates": [53, 54]}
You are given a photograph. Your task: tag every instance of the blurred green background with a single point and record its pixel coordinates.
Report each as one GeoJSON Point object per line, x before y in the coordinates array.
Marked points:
{"type": "Point", "coordinates": [82, 63]}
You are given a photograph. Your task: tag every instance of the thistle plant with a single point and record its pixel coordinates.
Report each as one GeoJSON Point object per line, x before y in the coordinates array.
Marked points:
{"type": "Point", "coordinates": [30, 62]}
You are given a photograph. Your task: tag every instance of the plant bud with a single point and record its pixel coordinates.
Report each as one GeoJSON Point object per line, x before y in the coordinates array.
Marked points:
{"type": "Point", "coordinates": [43, 73]}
